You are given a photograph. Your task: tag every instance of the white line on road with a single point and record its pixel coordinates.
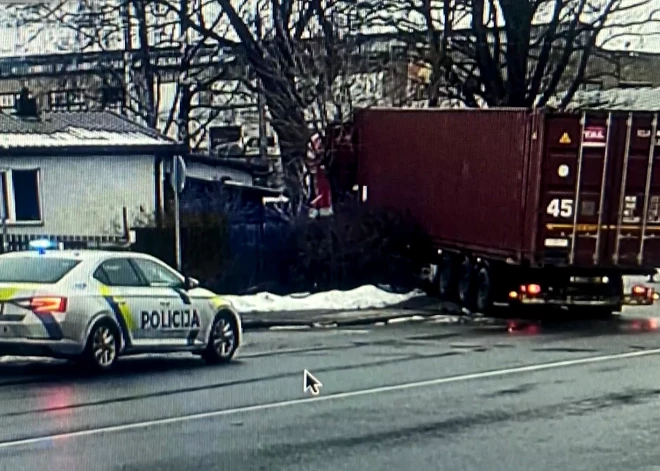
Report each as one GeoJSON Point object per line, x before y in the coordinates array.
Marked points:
{"type": "Point", "coordinates": [286, 351]}
{"type": "Point", "coordinates": [330, 397]}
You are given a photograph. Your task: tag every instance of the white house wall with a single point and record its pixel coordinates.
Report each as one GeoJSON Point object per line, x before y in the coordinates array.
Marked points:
{"type": "Point", "coordinates": [85, 195]}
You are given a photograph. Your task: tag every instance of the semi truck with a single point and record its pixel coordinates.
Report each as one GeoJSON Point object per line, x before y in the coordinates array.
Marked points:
{"type": "Point", "coordinates": [525, 208]}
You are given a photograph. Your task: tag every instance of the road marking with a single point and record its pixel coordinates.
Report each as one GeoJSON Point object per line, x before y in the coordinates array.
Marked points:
{"type": "Point", "coordinates": [289, 327]}
{"type": "Point", "coordinates": [286, 351]}
{"type": "Point", "coordinates": [329, 397]}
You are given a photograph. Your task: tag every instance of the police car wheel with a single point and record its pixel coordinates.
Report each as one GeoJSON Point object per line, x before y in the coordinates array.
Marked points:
{"type": "Point", "coordinates": [102, 346]}
{"type": "Point", "coordinates": [223, 340]}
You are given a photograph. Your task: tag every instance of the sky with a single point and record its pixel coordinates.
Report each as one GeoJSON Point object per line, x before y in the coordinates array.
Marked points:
{"type": "Point", "coordinates": [20, 41]}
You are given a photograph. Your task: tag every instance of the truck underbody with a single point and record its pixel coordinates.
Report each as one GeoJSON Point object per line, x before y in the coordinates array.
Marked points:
{"type": "Point", "coordinates": [482, 285]}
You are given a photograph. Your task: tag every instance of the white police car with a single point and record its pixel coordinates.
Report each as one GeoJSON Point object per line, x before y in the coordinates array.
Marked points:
{"type": "Point", "coordinates": [98, 305]}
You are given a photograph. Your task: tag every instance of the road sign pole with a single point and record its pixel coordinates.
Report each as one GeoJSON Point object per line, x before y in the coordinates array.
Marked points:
{"type": "Point", "coordinates": [4, 221]}
{"type": "Point", "coordinates": [177, 217]}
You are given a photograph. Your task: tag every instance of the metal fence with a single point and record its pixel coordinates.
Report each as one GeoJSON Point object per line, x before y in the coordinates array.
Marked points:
{"type": "Point", "coordinates": [17, 242]}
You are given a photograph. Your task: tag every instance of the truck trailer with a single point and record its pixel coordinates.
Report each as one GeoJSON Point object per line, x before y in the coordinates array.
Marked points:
{"type": "Point", "coordinates": [525, 208]}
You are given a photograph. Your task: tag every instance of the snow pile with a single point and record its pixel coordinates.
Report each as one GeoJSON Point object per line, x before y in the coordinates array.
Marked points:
{"type": "Point", "coordinates": [360, 298]}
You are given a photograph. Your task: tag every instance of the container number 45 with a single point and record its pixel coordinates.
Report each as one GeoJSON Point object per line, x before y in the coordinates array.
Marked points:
{"type": "Point", "coordinates": [560, 208]}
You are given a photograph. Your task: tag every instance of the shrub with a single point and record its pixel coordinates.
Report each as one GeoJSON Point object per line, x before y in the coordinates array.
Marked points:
{"type": "Point", "coordinates": [354, 247]}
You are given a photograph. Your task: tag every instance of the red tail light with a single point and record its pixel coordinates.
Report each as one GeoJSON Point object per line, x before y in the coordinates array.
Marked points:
{"type": "Point", "coordinates": [532, 289]}
{"type": "Point", "coordinates": [44, 304]}
{"type": "Point", "coordinates": [639, 290]}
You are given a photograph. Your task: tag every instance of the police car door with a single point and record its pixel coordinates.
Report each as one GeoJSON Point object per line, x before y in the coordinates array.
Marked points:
{"type": "Point", "coordinates": [125, 292]}
{"type": "Point", "coordinates": [175, 320]}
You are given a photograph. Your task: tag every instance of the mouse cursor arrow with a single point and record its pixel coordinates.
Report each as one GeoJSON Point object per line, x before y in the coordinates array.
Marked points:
{"type": "Point", "coordinates": [311, 384]}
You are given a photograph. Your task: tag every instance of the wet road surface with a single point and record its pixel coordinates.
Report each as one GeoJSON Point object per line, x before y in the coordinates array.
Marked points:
{"type": "Point", "coordinates": [424, 396]}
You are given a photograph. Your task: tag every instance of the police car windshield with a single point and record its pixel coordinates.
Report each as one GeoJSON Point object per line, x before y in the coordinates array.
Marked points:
{"type": "Point", "coordinates": [34, 270]}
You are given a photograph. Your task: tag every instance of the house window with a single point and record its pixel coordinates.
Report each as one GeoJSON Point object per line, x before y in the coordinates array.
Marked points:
{"type": "Point", "coordinates": [7, 100]}
{"type": "Point", "coordinates": [21, 195]}
{"type": "Point", "coordinates": [67, 100]}
{"type": "Point", "coordinates": [57, 99]}
{"type": "Point", "coordinates": [205, 98]}
{"type": "Point", "coordinates": [590, 86]}
{"type": "Point", "coordinates": [76, 100]}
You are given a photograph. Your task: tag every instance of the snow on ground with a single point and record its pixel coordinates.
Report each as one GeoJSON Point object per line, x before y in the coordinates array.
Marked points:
{"type": "Point", "coordinates": [360, 298]}
{"type": "Point", "coordinates": [365, 297]}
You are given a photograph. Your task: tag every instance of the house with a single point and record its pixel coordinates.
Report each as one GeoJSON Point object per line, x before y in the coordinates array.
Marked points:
{"type": "Point", "coordinates": [80, 177]}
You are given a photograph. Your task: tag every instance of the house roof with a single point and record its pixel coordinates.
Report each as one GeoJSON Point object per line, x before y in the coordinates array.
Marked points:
{"type": "Point", "coordinates": [69, 129]}
{"type": "Point", "coordinates": [615, 99]}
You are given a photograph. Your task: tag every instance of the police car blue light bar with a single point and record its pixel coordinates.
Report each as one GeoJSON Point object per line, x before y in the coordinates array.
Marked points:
{"type": "Point", "coordinates": [42, 245]}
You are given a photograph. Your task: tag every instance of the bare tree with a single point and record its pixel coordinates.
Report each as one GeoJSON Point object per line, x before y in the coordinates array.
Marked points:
{"type": "Point", "coordinates": [294, 52]}
{"type": "Point", "coordinates": [510, 52]}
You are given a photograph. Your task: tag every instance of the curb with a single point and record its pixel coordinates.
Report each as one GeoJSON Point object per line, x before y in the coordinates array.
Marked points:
{"type": "Point", "coordinates": [329, 322]}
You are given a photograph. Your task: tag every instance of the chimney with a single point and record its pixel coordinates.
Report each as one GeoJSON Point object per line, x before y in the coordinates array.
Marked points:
{"type": "Point", "coordinates": [26, 105]}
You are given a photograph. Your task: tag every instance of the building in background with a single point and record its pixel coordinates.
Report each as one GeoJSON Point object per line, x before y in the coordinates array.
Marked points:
{"type": "Point", "coordinates": [83, 177]}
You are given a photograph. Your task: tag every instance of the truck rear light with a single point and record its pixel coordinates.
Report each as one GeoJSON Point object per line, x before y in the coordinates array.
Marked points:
{"type": "Point", "coordinates": [531, 289]}
{"type": "Point", "coordinates": [639, 290]}
{"type": "Point", "coordinates": [43, 304]}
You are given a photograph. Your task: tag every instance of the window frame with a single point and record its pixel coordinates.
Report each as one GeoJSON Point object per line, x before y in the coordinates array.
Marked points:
{"type": "Point", "coordinates": [142, 281]}
{"type": "Point", "coordinates": [8, 196]}
{"type": "Point", "coordinates": [135, 260]}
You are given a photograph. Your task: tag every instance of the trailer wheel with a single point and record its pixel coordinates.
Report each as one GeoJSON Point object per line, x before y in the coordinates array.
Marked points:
{"type": "Point", "coordinates": [483, 291]}
{"type": "Point", "coordinates": [466, 285]}
{"type": "Point", "coordinates": [446, 278]}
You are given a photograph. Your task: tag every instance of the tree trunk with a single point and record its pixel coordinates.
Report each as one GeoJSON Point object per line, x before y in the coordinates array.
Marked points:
{"type": "Point", "coordinates": [288, 121]}
{"type": "Point", "coordinates": [147, 71]}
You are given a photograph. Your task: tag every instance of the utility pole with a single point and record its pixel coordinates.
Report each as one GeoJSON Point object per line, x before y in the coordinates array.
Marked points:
{"type": "Point", "coordinates": [4, 220]}
{"type": "Point", "coordinates": [177, 214]}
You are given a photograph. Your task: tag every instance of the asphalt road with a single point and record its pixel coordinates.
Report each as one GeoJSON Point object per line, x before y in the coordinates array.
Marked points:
{"type": "Point", "coordinates": [423, 396]}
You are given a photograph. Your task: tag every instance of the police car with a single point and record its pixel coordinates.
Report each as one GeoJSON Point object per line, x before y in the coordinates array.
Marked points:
{"type": "Point", "coordinates": [98, 305]}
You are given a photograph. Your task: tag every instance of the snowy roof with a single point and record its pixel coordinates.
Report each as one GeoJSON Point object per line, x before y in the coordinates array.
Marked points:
{"type": "Point", "coordinates": [629, 99]}
{"type": "Point", "coordinates": [76, 129]}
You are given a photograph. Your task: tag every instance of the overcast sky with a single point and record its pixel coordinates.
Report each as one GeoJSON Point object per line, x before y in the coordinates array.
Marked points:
{"type": "Point", "coordinates": [19, 41]}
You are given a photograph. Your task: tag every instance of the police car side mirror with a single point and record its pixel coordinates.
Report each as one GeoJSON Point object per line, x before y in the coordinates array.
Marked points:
{"type": "Point", "coordinates": [190, 283]}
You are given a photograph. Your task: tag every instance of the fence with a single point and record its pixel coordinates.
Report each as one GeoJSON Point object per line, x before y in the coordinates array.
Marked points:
{"type": "Point", "coordinates": [234, 257]}
{"type": "Point", "coordinates": [257, 255]}
{"type": "Point", "coordinates": [17, 242]}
